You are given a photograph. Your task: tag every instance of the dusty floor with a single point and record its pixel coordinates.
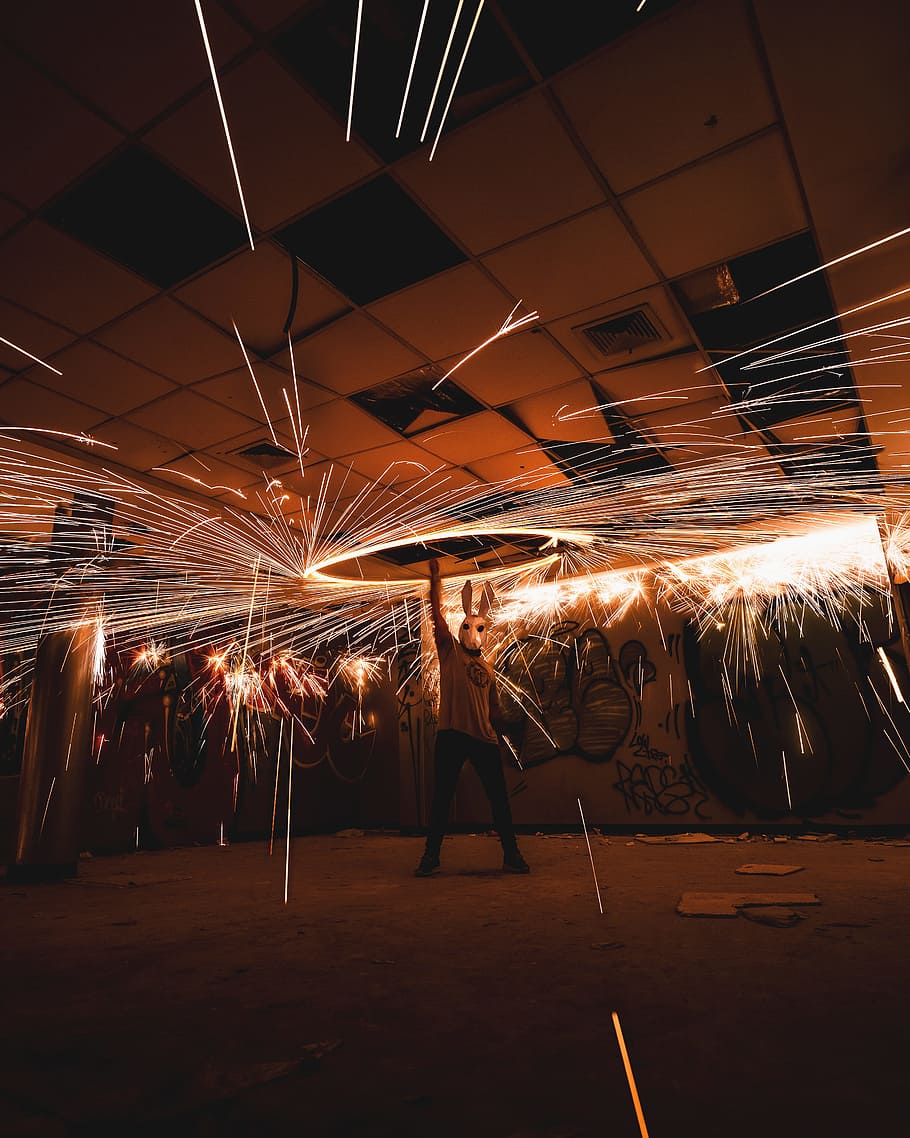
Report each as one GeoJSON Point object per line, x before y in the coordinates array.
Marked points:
{"type": "Point", "coordinates": [176, 992]}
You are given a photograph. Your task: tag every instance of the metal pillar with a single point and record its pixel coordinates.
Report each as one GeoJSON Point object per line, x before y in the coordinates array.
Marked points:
{"type": "Point", "coordinates": [56, 755]}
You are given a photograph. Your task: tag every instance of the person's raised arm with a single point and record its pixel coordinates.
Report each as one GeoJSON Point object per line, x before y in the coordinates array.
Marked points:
{"type": "Point", "coordinates": [440, 628]}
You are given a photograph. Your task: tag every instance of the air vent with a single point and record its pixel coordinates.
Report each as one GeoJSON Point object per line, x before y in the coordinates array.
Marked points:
{"type": "Point", "coordinates": [625, 332]}
{"type": "Point", "coordinates": [266, 454]}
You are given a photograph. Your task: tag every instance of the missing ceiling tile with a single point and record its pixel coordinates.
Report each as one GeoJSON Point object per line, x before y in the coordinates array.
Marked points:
{"type": "Point", "coordinates": [142, 214]}
{"type": "Point", "coordinates": [411, 404]}
{"type": "Point", "coordinates": [371, 241]}
{"type": "Point", "coordinates": [266, 455]}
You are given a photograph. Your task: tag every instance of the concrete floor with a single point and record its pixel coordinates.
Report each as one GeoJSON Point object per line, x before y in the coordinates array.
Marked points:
{"type": "Point", "coordinates": [176, 992]}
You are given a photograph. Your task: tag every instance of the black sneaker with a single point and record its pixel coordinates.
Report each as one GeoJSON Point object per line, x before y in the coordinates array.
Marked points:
{"type": "Point", "coordinates": [515, 863]}
{"type": "Point", "coordinates": [428, 866]}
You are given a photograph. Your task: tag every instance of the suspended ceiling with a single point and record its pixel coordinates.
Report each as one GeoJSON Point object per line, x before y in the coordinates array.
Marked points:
{"type": "Point", "coordinates": [596, 162]}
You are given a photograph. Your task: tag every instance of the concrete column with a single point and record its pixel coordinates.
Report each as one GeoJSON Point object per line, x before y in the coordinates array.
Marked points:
{"type": "Point", "coordinates": [56, 755]}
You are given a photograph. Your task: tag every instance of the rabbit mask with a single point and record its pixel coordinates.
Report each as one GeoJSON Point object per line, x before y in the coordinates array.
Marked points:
{"type": "Point", "coordinates": [473, 630]}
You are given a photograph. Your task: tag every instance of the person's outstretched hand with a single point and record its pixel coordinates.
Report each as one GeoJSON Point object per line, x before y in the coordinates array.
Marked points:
{"type": "Point", "coordinates": [434, 568]}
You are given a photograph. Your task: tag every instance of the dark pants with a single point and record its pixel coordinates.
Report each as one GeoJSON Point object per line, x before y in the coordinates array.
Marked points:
{"type": "Point", "coordinates": [452, 748]}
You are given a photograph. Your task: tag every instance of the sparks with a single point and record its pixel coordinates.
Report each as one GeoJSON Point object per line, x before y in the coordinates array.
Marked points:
{"type": "Point", "coordinates": [591, 856]}
{"type": "Point", "coordinates": [407, 86]}
{"type": "Point", "coordinates": [633, 1089]}
{"type": "Point", "coordinates": [464, 56]}
{"type": "Point", "coordinates": [508, 325]}
{"type": "Point", "coordinates": [347, 134]}
{"type": "Point", "coordinates": [15, 347]}
{"type": "Point", "coordinates": [224, 122]}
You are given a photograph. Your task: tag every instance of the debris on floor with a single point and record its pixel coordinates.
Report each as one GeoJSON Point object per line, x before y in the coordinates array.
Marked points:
{"type": "Point", "coordinates": [728, 904]}
{"type": "Point", "coordinates": [770, 870]}
{"type": "Point", "coordinates": [816, 837]}
{"type": "Point", "coordinates": [605, 944]}
{"type": "Point", "coordinates": [674, 839]}
{"type": "Point", "coordinates": [778, 918]}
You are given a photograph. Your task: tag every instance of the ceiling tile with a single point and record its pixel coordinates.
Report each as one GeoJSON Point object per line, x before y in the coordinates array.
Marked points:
{"type": "Point", "coordinates": [173, 340]}
{"type": "Point", "coordinates": [573, 265]}
{"type": "Point", "coordinates": [566, 414]}
{"type": "Point", "coordinates": [254, 289]}
{"type": "Point", "coordinates": [657, 306]}
{"type": "Point", "coordinates": [398, 462]}
{"type": "Point", "coordinates": [28, 331]}
{"type": "Point", "coordinates": [644, 107]}
{"type": "Point", "coordinates": [740, 200]}
{"type": "Point", "coordinates": [136, 448]}
{"type": "Point", "coordinates": [350, 354]}
{"type": "Point", "coordinates": [61, 279]}
{"type": "Point", "coordinates": [477, 436]}
{"type": "Point", "coordinates": [333, 478]}
{"type": "Point", "coordinates": [290, 152]}
{"type": "Point", "coordinates": [25, 404]}
{"type": "Point", "coordinates": [131, 60]}
{"type": "Point", "coordinates": [237, 391]}
{"type": "Point", "coordinates": [700, 431]}
{"type": "Point", "coordinates": [372, 241]}
{"type": "Point", "coordinates": [432, 491]}
{"type": "Point", "coordinates": [453, 312]}
{"type": "Point", "coordinates": [140, 213]}
{"type": "Point", "coordinates": [851, 145]}
{"type": "Point", "coordinates": [814, 429]}
{"type": "Point", "coordinates": [94, 375]}
{"type": "Point", "coordinates": [510, 146]}
{"type": "Point", "coordinates": [188, 418]}
{"type": "Point", "coordinates": [652, 384]}
{"type": "Point", "coordinates": [341, 428]}
{"type": "Point", "coordinates": [523, 470]}
{"type": "Point", "coordinates": [56, 139]}
{"type": "Point", "coordinates": [207, 475]}
{"type": "Point", "coordinates": [557, 37]}
{"type": "Point", "coordinates": [514, 366]}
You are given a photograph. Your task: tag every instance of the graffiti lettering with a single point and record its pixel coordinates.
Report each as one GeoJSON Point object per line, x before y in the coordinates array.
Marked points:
{"type": "Point", "coordinates": [658, 787]}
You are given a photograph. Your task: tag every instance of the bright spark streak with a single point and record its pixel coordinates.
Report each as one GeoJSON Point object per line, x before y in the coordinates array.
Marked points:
{"type": "Point", "coordinates": [199, 482]}
{"type": "Point", "coordinates": [224, 122]}
{"type": "Point", "coordinates": [287, 856]}
{"type": "Point", "coordinates": [46, 805]}
{"type": "Point", "coordinates": [442, 66]}
{"type": "Point", "coordinates": [347, 134]}
{"type": "Point", "coordinates": [98, 652]}
{"type": "Point", "coordinates": [508, 743]}
{"type": "Point", "coordinates": [255, 384]}
{"type": "Point", "coordinates": [591, 856]}
{"type": "Point", "coordinates": [15, 347]}
{"type": "Point", "coordinates": [787, 780]}
{"type": "Point", "coordinates": [629, 1076]}
{"type": "Point", "coordinates": [277, 773]}
{"type": "Point", "coordinates": [464, 56]}
{"type": "Point", "coordinates": [508, 325]}
{"type": "Point", "coordinates": [886, 664]}
{"type": "Point", "coordinates": [807, 328]}
{"type": "Point", "coordinates": [407, 86]}
{"type": "Point", "coordinates": [836, 261]}
{"type": "Point", "coordinates": [87, 440]}
{"type": "Point", "coordinates": [641, 5]}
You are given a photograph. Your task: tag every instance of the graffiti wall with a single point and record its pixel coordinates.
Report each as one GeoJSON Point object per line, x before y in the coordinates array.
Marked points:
{"type": "Point", "coordinates": [178, 763]}
{"type": "Point", "coordinates": [648, 723]}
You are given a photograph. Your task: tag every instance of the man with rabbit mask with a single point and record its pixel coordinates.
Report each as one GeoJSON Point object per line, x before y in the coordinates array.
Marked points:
{"type": "Point", "coordinates": [468, 709]}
